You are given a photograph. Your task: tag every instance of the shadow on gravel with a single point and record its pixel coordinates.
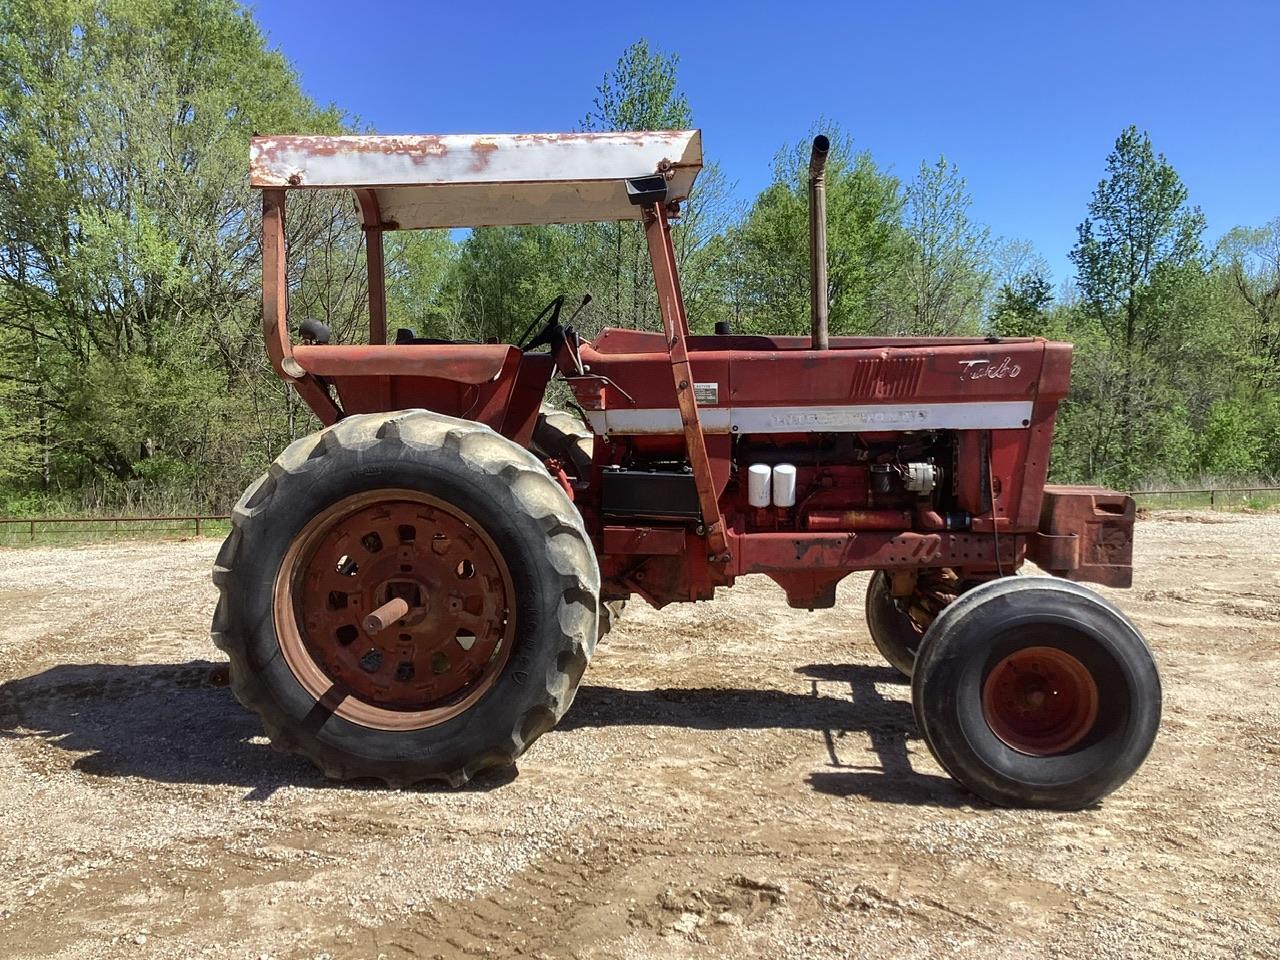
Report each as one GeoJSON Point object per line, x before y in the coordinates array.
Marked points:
{"type": "Point", "coordinates": [859, 709]}
{"type": "Point", "coordinates": [178, 723]}
{"type": "Point", "coordinates": [892, 779]}
{"type": "Point", "coordinates": [173, 723]}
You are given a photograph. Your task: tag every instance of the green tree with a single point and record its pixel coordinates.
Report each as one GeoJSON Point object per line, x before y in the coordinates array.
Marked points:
{"type": "Point", "coordinates": [642, 92]}
{"type": "Point", "coordinates": [1140, 270]}
{"type": "Point", "coordinates": [1228, 443]}
{"type": "Point", "coordinates": [1138, 245]}
{"type": "Point", "coordinates": [1237, 348]}
{"type": "Point", "coordinates": [501, 277]}
{"type": "Point", "coordinates": [18, 440]}
{"type": "Point", "coordinates": [768, 252]}
{"type": "Point", "coordinates": [1021, 306]}
{"type": "Point", "coordinates": [1250, 260]}
{"type": "Point", "coordinates": [129, 262]}
{"type": "Point", "coordinates": [946, 272]}
{"type": "Point", "coordinates": [419, 264]}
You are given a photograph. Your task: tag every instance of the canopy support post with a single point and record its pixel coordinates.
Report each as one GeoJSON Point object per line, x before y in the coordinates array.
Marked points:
{"type": "Point", "coordinates": [371, 221]}
{"type": "Point", "coordinates": [676, 325]}
{"type": "Point", "coordinates": [275, 310]}
{"type": "Point", "coordinates": [275, 285]}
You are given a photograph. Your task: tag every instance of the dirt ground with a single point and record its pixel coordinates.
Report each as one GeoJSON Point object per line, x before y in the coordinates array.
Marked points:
{"type": "Point", "coordinates": [735, 779]}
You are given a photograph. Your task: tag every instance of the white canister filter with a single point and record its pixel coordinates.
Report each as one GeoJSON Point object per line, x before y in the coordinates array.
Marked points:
{"type": "Point", "coordinates": [759, 478]}
{"type": "Point", "coordinates": [776, 485]}
{"type": "Point", "coordinates": [784, 485]}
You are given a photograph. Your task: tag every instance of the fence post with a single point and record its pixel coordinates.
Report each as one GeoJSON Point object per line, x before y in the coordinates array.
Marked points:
{"type": "Point", "coordinates": [1213, 499]}
{"type": "Point", "coordinates": [197, 526]}
{"type": "Point", "coordinates": [33, 531]}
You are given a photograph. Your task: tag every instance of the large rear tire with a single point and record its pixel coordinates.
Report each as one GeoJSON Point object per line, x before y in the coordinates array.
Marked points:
{"type": "Point", "coordinates": [484, 547]}
{"type": "Point", "coordinates": [1036, 692]}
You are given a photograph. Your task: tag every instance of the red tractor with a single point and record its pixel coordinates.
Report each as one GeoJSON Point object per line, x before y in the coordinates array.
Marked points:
{"type": "Point", "coordinates": [414, 591]}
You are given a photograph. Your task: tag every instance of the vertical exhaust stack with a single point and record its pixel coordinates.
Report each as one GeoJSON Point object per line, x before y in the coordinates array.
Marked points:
{"type": "Point", "coordinates": [818, 242]}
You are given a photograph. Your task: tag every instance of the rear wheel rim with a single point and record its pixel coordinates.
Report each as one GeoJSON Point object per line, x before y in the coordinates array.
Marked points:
{"type": "Point", "coordinates": [439, 658]}
{"type": "Point", "coordinates": [1040, 701]}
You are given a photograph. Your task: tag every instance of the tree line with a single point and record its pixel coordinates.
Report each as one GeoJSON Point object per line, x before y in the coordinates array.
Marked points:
{"type": "Point", "coordinates": [132, 373]}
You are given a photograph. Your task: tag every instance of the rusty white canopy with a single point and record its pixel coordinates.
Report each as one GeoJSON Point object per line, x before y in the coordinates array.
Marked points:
{"type": "Point", "coordinates": [480, 180]}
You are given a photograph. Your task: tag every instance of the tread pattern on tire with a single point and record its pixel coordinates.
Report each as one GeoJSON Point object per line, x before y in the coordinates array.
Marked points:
{"type": "Point", "coordinates": [568, 551]}
{"type": "Point", "coordinates": [558, 433]}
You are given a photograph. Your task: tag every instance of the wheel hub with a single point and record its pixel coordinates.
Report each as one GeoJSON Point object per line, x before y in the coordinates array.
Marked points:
{"type": "Point", "coordinates": [1040, 700]}
{"type": "Point", "coordinates": [413, 592]}
{"type": "Point", "coordinates": [440, 654]}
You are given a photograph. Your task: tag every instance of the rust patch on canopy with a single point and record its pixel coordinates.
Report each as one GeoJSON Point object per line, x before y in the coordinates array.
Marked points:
{"type": "Point", "coordinates": [419, 145]}
{"type": "Point", "coordinates": [268, 153]}
{"type": "Point", "coordinates": [481, 151]}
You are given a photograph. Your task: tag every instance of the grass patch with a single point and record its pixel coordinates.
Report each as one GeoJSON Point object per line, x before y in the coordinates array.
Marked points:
{"type": "Point", "coordinates": [1255, 501]}
{"type": "Point", "coordinates": [46, 531]}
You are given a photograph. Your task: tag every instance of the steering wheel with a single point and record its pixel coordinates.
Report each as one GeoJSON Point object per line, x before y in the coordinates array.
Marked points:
{"type": "Point", "coordinates": [543, 335]}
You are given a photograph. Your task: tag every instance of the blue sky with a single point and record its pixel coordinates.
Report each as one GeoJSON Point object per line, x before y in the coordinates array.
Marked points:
{"type": "Point", "coordinates": [1026, 98]}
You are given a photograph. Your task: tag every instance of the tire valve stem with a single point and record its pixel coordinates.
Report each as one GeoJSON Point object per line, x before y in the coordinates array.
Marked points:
{"type": "Point", "coordinates": [387, 614]}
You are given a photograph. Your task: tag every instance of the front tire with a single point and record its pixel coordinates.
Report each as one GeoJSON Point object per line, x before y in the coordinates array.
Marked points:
{"type": "Point", "coordinates": [1036, 692]}
{"type": "Point", "coordinates": [482, 545]}
{"type": "Point", "coordinates": [892, 630]}
{"type": "Point", "coordinates": [559, 435]}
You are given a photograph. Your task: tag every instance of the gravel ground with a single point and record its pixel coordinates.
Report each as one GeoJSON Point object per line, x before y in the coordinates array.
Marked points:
{"type": "Point", "coordinates": [735, 779]}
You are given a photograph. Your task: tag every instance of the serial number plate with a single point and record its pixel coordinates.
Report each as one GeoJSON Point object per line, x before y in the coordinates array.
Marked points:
{"type": "Point", "coordinates": [706, 392]}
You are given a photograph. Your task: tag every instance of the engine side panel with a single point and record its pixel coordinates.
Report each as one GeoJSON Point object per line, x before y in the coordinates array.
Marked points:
{"type": "Point", "coordinates": [906, 454]}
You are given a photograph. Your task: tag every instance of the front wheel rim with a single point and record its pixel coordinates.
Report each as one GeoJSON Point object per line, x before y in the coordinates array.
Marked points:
{"type": "Point", "coordinates": [440, 657]}
{"type": "Point", "coordinates": [1040, 701]}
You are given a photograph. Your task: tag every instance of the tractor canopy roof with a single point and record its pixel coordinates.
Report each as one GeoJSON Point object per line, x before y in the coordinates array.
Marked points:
{"type": "Point", "coordinates": [482, 180]}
